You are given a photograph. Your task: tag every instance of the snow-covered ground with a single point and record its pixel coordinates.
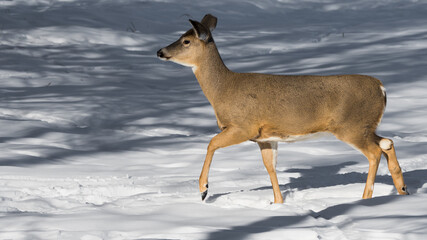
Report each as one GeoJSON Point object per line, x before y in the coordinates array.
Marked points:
{"type": "Point", "coordinates": [101, 140]}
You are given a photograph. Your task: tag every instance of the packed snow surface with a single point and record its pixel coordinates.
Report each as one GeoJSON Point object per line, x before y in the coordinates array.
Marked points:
{"type": "Point", "coordinates": [101, 140]}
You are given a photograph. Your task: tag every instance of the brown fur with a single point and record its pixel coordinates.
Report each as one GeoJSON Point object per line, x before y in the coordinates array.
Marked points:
{"type": "Point", "coordinates": [258, 107]}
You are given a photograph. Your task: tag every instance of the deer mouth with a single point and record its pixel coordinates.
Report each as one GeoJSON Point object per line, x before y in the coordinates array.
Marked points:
{"type": "Point", "coordinates": [164, 58]}
{"type": "Point", "coordinates": [162, 55]}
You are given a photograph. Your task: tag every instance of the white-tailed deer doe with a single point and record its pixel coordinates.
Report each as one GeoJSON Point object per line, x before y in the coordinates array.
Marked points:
{"type": "Point", "coordinates": [270, 108]}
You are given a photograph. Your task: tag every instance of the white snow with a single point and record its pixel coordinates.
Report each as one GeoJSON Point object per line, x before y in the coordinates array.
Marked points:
{"type": "Point", "coordinates": [102, 140]}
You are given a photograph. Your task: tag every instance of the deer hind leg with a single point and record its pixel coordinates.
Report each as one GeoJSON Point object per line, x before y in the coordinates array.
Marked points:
{"type": "Point", "coordinates": [372, 146]}
{"type": "Point", "coordinates": [389, 152]}
{"type": "Point", "coordinates": [269, 157]}
{"type": "Point", "coordinates": [369, 146]}
{"type": "Point", "coordinates": [229, 136]}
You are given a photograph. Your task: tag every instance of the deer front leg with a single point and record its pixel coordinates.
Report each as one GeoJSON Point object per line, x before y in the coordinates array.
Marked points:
{"type": "Point", "coordinates": [229, 136]}
{"type": "Point", "coordinates": [269, 157]}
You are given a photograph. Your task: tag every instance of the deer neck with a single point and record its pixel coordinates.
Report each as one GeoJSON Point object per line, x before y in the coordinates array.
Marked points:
{"type": "Point", "coordinates": [212, 74]}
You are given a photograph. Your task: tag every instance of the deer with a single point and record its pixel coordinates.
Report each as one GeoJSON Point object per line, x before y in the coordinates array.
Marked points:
{"type": "Point", "coordinates": [267, 108]}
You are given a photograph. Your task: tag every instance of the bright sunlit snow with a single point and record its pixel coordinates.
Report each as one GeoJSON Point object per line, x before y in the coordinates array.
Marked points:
{"type": "Point", "coordinates": [102, 140]}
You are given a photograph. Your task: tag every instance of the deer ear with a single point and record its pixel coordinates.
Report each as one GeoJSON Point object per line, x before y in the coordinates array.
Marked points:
{"type": "Point", "coordinates": [201, 31]}
{"type": "Point", "coordinates": [209, 21]}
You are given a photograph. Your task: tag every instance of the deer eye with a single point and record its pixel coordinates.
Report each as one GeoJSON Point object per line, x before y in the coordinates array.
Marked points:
{"type": "Point", "coordinates": [186, 42]}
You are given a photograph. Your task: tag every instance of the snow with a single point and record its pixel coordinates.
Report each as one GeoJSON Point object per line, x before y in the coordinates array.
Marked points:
{"type": "Point", "coordinates": [102, 140]}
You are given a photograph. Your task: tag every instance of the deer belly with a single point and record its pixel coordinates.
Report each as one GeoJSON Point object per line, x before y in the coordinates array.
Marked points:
{"type": "Point", "coordinates": [293, 138]}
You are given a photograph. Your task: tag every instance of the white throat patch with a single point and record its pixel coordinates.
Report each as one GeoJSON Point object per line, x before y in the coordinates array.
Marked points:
{"type": "Point", "coordinates": [193, 67]}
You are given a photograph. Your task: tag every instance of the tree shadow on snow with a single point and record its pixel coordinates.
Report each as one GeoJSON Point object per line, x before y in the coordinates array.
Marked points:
{"type": "Point", "coordinates": [283, 222]}
{"type": "Point", "coordinates": [317, 177]}
{"type": "Point", "coordinates": [328, 176]}
{"type": "Point", "coordinates": [129, 85]}
{"type": "Point", "coordinates": [106, 96]}
{"type": "Point", "coordinates": [324, 176]}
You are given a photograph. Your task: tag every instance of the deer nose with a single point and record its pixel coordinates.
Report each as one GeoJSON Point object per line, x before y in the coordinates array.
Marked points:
{"type": "Point", "coordinates": [160, 54]}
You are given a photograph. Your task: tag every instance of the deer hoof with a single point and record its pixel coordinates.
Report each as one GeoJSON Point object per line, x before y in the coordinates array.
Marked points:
{"type": "Point", "coordinates": [204, 194]}
{"type": "Point", "coordinates": [405, 190]}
